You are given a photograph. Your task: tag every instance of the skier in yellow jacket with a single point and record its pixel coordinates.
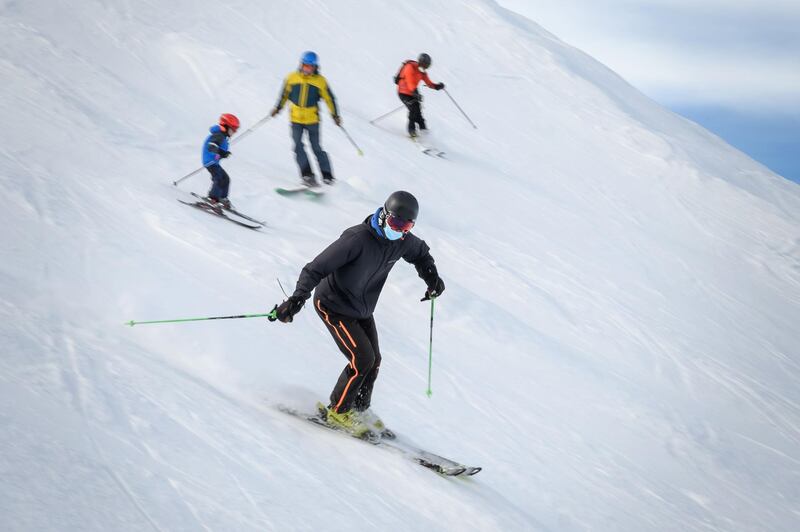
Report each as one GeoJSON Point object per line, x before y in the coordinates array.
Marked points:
{"type": "Point", "coordinates": [304, 88]}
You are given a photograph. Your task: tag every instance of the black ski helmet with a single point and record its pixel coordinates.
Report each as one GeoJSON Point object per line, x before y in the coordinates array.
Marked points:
{"type": "Point", "coordinates": [424, 60]}
{"type": "Point", "coordinates": [403, 205]}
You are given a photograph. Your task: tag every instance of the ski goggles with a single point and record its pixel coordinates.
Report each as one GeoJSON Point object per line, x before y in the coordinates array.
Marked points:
{"type": "Point", "coordinates": [399, 224]}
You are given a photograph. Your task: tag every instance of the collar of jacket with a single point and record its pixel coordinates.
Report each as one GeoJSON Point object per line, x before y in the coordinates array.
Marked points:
{"type": "Point", "coordinates": [373, 221]}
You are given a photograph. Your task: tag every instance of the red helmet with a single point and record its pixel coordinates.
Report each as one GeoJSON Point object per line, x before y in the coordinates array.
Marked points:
{"type": "Point", "coordinates": [229, 121]}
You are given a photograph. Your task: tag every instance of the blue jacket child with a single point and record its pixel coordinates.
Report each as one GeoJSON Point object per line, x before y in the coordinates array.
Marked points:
{"type": "Point", "coordinates": [215, 148]}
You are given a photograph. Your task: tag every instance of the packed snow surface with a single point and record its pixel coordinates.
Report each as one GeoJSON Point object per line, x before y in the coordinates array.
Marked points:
{"type": "Point", "coordinates": [617, 345]}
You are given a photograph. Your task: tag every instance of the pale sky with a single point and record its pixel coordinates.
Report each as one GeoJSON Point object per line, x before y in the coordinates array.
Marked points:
{"type": "Point", "coordinates": [731, 65]}
{"type": "Point", "coordinates": [733, 52]}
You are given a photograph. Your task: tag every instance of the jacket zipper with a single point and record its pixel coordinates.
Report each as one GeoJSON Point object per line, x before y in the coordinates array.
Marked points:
{"type": "Point", "coordinates": [304, 94]}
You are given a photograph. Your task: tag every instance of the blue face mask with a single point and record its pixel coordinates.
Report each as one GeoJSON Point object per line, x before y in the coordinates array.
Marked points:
{"type": "Point", "coordinates": [391, 234]}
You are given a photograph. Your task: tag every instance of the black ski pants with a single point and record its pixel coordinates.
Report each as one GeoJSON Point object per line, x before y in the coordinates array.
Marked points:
{"type": "Point", "coordinates": [358, 341]}
{"type": "Point", "coordinates": [414, 105]}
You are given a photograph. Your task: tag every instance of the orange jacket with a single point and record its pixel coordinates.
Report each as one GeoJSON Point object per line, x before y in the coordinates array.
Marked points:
{"type": "Point", "coordinates": [409, 78]}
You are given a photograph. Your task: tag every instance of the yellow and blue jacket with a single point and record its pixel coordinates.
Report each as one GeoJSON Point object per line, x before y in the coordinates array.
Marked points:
{"type": "Point", "coordinates": [305, 91]}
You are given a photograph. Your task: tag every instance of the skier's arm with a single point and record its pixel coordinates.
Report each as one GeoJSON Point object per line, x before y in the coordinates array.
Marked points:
{"type": "Point", "coordinates": [215, 142]}
{"type": "Point", "coordinates": [427, 80]}
{"type": "Point", "coordinates": [283, 96]}
{"type": "Point", "coordinates": [420, 256]}
{"type": "Point", "coordinates": [339, 253]}
{"type": "Point", "coordinates": [330, 99]}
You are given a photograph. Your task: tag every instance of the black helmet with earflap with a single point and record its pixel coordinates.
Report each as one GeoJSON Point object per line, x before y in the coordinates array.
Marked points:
{"type": "Point", "coordinates": [403, 205]}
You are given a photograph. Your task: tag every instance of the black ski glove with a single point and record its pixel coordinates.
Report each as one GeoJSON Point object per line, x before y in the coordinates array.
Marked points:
{"type": "Point", "coordinates": [439, 86]}
{"type": "Point", "coordinates": [337, 120]}
{"type": "Point", "coordinates": [224, 154]}
{"type": "Point", "coordinates": [435, 289]}
{"type": "Point", "coordinates": [285, 311]}
{"type": "Point", "coordinates": [274, 112]}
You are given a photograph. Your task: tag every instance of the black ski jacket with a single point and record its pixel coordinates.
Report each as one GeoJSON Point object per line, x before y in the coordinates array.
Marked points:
{"type": "Point", "coordinates": [350, 273]}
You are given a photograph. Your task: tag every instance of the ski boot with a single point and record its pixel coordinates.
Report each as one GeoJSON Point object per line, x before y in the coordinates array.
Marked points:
{"type": "Point", "coordinates": [310, 180]}
{"type": "Point", "coordinates": [328, 178]}
{"type": "Point", "coordinates": [349, 422]}
{"type": "Point", "coordinates": [226, 203]}
{"type": "Point", "coordinates": [214, 203]}
{"type": "Point", "coordinates": [376, 424]}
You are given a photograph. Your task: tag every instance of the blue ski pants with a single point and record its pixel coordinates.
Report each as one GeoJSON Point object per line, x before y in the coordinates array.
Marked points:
{"type": "Point", "coordinates": [300, 152]}
{"type": "Point", "coordinates": [220, 182]}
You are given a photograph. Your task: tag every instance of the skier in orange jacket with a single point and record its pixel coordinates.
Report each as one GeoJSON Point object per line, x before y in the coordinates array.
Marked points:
{"type": "Point", "coordinates": [407, 80]}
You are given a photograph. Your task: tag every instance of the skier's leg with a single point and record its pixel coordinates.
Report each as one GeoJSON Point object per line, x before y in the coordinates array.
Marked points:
{"type": "Point", "coordinates": [321, 155]}
{"type": "Point", "coordinates": [421, 119]}
{"type": "Point", "coordinates": [408, 102]}
{"type": "Point", "coordinates": [224, 183]}
{"type": "Point", "coordinates": [299, 150]}
{"type": "Point", "coordinates": [364, 397]}
{"type": "Point", "coordinates": [416, 110]}
{"type": "Point", "coordinates": [219, 182]}
{"type": "Point", "coordinates": [353, 342]}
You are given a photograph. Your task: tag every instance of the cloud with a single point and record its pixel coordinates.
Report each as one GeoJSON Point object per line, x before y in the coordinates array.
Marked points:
{"type": "Point", "coordinates": [744, 53]}
{"type": "Point", "coordinates": [680, 74]}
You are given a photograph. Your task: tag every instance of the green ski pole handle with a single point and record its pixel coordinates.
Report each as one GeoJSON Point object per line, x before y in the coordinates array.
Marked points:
{"type": "Point", "coordinates": [272, 316]}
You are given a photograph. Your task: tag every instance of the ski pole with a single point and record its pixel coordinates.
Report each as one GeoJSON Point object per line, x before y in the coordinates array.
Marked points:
{"type": "Point", "coordinates": [233, 141]}
{"type": "Point", "coordinates": [352, 141]}
{"type": "Point", "coordinates": [272, 314]}
{"type": "Point", "coordinates": [190, 174]}
{"type": "Point", "coordinates": [253, 128]}
{"type": "Point", "coordinates": [430, 352]}
{"type": "Point", "coordinates": [387, 114]}
{"type": "Point", "coordinates": [460, 109]}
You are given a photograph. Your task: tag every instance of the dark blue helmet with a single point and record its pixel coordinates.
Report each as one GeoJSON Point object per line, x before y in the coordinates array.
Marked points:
{"type": "Point", "coordinates": [309, 58]}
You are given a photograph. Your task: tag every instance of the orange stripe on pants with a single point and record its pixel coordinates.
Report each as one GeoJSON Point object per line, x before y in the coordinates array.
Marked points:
{"type": "Point", "coordinates": [352, 354]}
{"type": "Point", "coordinates": [347, 333]}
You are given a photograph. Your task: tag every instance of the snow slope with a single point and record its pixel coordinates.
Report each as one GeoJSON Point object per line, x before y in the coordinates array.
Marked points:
{"type": "Point", "coordinates": [617, 346]}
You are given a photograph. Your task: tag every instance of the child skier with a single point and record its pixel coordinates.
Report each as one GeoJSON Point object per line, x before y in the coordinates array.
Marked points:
{"type": "Point", "coordinates": [215, 148]}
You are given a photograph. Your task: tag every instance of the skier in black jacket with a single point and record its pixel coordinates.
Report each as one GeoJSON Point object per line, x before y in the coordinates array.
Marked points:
{"type": "Point", "coordinates": [349, 276]}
